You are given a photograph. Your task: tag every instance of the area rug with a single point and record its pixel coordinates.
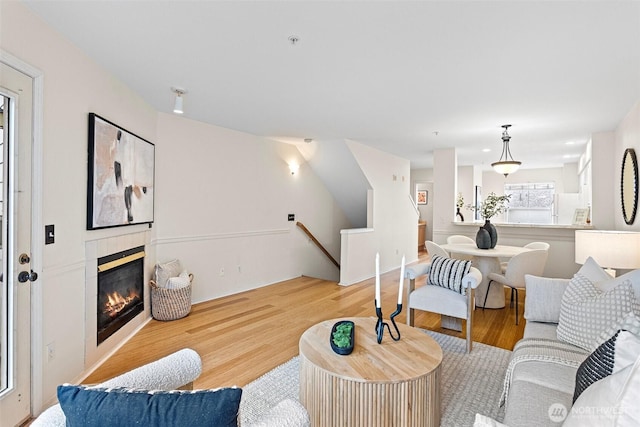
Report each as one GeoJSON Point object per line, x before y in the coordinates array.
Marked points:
{"type": "Point", "coordinates": [471, 383]}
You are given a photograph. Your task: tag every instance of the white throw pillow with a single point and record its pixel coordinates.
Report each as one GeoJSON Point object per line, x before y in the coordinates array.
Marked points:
{"type": "Point", "coordinates": [633, 276]}
{"type": "Point", "coordinates": [612, 401]}
{"type": "Point", "coordinates": [592, 271]}
{"type": "Point", "coordinates": [586, 312]}
{"type": "Point", "coordinates": [543, 298]}
{"type": "Point", "coordinates": [182, 281]}
{"type": "Point", "coordinates": [166, 270]}
{"type": "Point", "coordinates": [630, 322]}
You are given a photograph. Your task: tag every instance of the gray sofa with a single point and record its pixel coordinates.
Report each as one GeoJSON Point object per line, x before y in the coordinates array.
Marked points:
{"type": "Point", "coordinates": [540, 392]}
{"type": "Point", "coordinates": [537, 385]}
{"type": "Point", "coordinates": [178, 371]}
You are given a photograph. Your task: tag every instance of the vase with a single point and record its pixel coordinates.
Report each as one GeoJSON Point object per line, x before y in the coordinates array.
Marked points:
{"type": "Point", "coordinates": [458, 214]}
{"type": "Point", "coordinates": [493, 233]}
{"type": "Point", "coordinates": [483, 239]}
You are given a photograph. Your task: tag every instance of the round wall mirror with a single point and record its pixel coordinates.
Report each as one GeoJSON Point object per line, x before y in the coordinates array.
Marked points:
{"type": "Point", "coordinates": [629, 185]}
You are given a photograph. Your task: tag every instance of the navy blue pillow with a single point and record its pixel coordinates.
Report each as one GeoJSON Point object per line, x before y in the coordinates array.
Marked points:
{"type": "Point", "coordinates": [120, 407]}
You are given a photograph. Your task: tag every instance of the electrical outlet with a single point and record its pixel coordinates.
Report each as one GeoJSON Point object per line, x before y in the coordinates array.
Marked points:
{"type": "Point", "coordinates": [51, 350]}
{"type": "Point", "coordinates": [221, 271]}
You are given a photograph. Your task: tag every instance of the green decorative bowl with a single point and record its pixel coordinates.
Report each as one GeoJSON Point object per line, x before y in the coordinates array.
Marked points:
{"type": "Point", "coordinates": [334, 330]}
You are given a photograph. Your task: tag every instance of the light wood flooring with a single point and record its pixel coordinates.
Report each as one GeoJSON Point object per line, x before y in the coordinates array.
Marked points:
{"type": "Point", "coordinates": [242, 336]}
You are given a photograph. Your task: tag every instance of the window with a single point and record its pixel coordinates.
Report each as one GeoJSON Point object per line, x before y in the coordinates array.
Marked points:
{"type": "Point", "coordinates": [530, 203]}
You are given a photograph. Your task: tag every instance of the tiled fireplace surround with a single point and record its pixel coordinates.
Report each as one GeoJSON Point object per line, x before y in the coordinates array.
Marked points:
{"type": "Point", "coordinates": [95, 249]}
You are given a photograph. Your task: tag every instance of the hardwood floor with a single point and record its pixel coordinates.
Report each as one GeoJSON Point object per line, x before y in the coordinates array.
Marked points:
{"type": "Point", "coordinates": [241, 337]}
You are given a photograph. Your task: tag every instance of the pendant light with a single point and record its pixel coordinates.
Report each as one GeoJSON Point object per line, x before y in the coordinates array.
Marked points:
{"type": "Point", "coordinates": [506, 164]}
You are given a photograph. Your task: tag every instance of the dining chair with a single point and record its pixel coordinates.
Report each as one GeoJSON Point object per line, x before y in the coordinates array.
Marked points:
{"type": "Point", "coordinates": [459, 238]}
{"type": "Point", "coordinates": [532, 245]}
{"type": "Point", "coordinates": [450, 304]}
{"type": "Point", "coordinates": [530, 262]}
{"type": "Point", "coordinates": [434, 249]}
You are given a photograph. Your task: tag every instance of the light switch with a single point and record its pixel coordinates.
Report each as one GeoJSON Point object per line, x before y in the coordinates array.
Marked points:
{"type": "Point", "coordinates": [49, 234]}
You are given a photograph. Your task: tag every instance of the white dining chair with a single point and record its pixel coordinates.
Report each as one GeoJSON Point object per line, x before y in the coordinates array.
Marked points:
{"type": "Point", "coordinates": [434, 249]}
{"type": "Point", "coordinates": [459, 238]}
{"type": "Point", "coordinates": [530, 262]}
{"type": "Point", "coordinates": [533, 245]}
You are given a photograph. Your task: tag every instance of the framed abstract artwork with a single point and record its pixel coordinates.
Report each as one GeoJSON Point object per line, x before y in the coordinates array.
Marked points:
{"type": "Point", "coordinates": [422, 197]}
{"type": "Point", "coordinates": [120, 188]}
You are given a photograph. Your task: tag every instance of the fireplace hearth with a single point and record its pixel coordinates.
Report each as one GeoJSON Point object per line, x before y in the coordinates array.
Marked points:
{"type": "Point", "coordinates": [120, 290]}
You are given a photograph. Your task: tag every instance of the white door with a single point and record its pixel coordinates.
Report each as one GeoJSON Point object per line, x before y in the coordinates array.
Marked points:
{"type": "Point", "coordinates": [15, 226]}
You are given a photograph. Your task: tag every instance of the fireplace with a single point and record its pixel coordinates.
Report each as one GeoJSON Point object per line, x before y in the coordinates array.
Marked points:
{"type": "Point", "coordinates": [120, 290]}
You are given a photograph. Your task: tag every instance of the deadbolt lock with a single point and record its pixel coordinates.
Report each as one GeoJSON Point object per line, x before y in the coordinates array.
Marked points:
{"type": "Point", "coordinates": [25, 276]}
{"type": "Point", "coordinates": [24, 259]}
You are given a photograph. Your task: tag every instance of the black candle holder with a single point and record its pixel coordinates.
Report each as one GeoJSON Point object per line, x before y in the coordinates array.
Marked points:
{"type": "Point", "coordinates": [380, 325]}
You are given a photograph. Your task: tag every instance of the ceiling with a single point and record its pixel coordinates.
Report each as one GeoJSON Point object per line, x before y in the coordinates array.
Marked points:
{"type": "Point", "coordinates": [406, 77]}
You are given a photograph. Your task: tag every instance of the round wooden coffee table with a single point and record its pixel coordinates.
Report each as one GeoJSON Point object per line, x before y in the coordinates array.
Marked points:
{"type": "Point", "coordinates": [395, 383]}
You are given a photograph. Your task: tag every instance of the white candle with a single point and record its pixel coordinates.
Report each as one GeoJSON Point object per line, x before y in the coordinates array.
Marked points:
{"type": "Point", "coordinates": [401, 281]}
{"type": "Point", "coordinates": [378, 280]}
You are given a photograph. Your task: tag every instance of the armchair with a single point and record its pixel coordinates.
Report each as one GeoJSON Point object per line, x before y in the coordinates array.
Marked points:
{"type": "Point", "coordinates": [436, 299]}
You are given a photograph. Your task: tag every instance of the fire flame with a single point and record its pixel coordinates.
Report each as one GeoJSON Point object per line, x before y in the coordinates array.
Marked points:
{"type": "Point", "coordinates": [117, 302]}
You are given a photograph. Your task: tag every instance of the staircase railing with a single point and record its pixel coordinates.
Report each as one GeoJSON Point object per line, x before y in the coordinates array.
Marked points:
{"type": "Point", "coordinates": [318, 244]}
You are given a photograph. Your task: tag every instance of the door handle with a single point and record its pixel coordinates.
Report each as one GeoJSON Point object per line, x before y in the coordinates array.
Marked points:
{"type": "Point", "coordinates": [25, 276]}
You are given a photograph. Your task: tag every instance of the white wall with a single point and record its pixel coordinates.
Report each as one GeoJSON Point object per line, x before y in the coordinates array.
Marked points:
{"type": "Point", "coordinates": [445, 184]}
{"type": "Point", "coordinates": [224, 197]}
{"type": "Point", "coordinates": [395, 222]}
{"type": "Point", "coordinates": [221, 201]}
{"type": "Point", "coordinates": [466, 187]}
{"type": "Point", "coordinates": [424, 177]}
{"type": "Point", "coordinates": [605, 173]}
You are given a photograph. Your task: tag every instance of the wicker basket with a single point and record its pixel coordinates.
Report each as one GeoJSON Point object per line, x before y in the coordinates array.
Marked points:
{"type": "Point", "coordinates": [170, 304]}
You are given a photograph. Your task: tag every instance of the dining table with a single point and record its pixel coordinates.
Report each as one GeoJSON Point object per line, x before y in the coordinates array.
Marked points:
{"type": "Point", "coordinates": [487, 261]}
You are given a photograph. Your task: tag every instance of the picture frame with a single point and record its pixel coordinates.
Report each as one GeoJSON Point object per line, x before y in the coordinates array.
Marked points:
{"type": "Point", "coordinates": [580, 216]}
{"type": "Point", "coordinates": [120, 178]}
{"type": "Point", "coordinates": [422, 197]}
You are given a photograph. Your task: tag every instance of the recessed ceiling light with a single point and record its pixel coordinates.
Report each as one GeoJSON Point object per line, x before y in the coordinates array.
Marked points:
{"type": "Point", "coordinates": [570, 142]}
{"type": "Point", "coordinates": [294, 40]}
{"type": "Point", "coordinates": [308, 140]}
{"type": "Point", "coordinates": [486, 150]}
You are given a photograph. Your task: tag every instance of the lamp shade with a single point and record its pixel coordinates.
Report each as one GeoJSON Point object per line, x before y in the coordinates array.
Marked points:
{"type": "Point", "coordinates": [506, 167]}
{"type": "Point", "coordinates": [610, 249]}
